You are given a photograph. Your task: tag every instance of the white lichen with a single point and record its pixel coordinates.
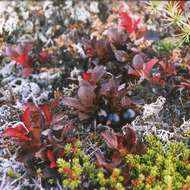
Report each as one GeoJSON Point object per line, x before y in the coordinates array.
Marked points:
{"type": "Point", "coordinates": [185, 126]}
{"type": "Point", "coordinates": [153, 109]}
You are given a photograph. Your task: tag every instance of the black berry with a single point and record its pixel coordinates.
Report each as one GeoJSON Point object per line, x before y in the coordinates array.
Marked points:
{"type": "Point", "coordinates": [129, 115]}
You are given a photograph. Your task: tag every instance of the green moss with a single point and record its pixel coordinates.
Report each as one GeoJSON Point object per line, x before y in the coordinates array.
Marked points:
{"type": "Point", "coordinates": [162, 167]}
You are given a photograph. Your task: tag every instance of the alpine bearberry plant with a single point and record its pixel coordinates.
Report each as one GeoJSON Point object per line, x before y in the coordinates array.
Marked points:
{"type": "Point", "coordinates": [103, 98]}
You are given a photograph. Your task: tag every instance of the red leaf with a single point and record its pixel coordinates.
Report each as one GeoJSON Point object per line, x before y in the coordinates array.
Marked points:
{"type": "Point", "coordinates": [93, 75]}
{"type": "Point", "coordinates": [48, 114]}
{"type": "Point", "coordinates": [158, 80]}
{"type": "Point", "coordinates": [21, 55]}
{"type": "Point", "coordinates": [86, 76]}
{"type": "Point", "coordinates": [134, 72]}
{"type": "Point", "coordinates": [43, 56]}
{"type": "Point", "coordinates": [48, 110]}
{"type": "Point", "coordinates": [26, 116]}
{"type": "Point", "coordinates": [18, 132]}
{"type": "Point", "coordinates": [69, 172]}
{"type": "Point", "coordinates": [127, 23]}
{"type": "Point", "coordinates": [22, 58]}
{"type": "Point", "coordinates": [141, 69]}
{"type": "Point", "coordinates": [168, 68]}
{"type": "Point", "coordinates": [149, 65]}
{"type": "Point", "coordinates": [51, 158]}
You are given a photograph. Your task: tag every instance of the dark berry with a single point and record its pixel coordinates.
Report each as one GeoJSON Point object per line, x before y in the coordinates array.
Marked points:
{"type": "Point", "coordinates": [113, 118]}
{"type": "Point", "coordinates": [129, 115]}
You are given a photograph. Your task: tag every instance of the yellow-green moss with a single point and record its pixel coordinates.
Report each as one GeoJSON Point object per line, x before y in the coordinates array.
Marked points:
{"type": "Point", "coordinates": [162, 167]}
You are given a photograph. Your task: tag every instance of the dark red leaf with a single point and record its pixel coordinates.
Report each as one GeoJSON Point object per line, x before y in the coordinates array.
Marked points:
{"type": "Point", "coordinates": [92, 76]}
{"type": "Point", "coordinates": [86, 95]}
{"type": "Point", "coordinates": [10, 52]}
{"type": "Point", "coordinates": [129, 137]}
{"type": "Point", "coordinates": [134, 72]}
{"type": "Point", "coordinates": [83, 116]}
{"type": "Point", "coordinates": [26, 71]}
{"type": "Point", "coordinates": [101, 162]}
{"type": "Point", "coordinates": [100, 159]}
{"type": "Point", "coordinates": [138, 62]}
{"type": "Point", "coordinates": [121, 55]}
{"type": "Point", "coordinates": [43, 56]}
{"type": "Point", "coordinates": [110, 139]}
{"type": "Point", "coordinates": [142, 69]}
{"type": "Point", "coordinates": [116, 158]}
{"type": "Point", "coordinates": [139, 148]}
{"type": "Point", "coordinates": [185, 84]}
{"type": "Point", "coordinates": [100, 49]}
{"type": "Point", "coordinates": [116, 37]}
{"type": "Point", "coordinates": [125, 102]}
{"type": "Point", "coordinates": [73, 102]}
{"type": "Point", "coordinates": [36, 136]}
{"type": "Point", "coordinates": [67, 129]}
